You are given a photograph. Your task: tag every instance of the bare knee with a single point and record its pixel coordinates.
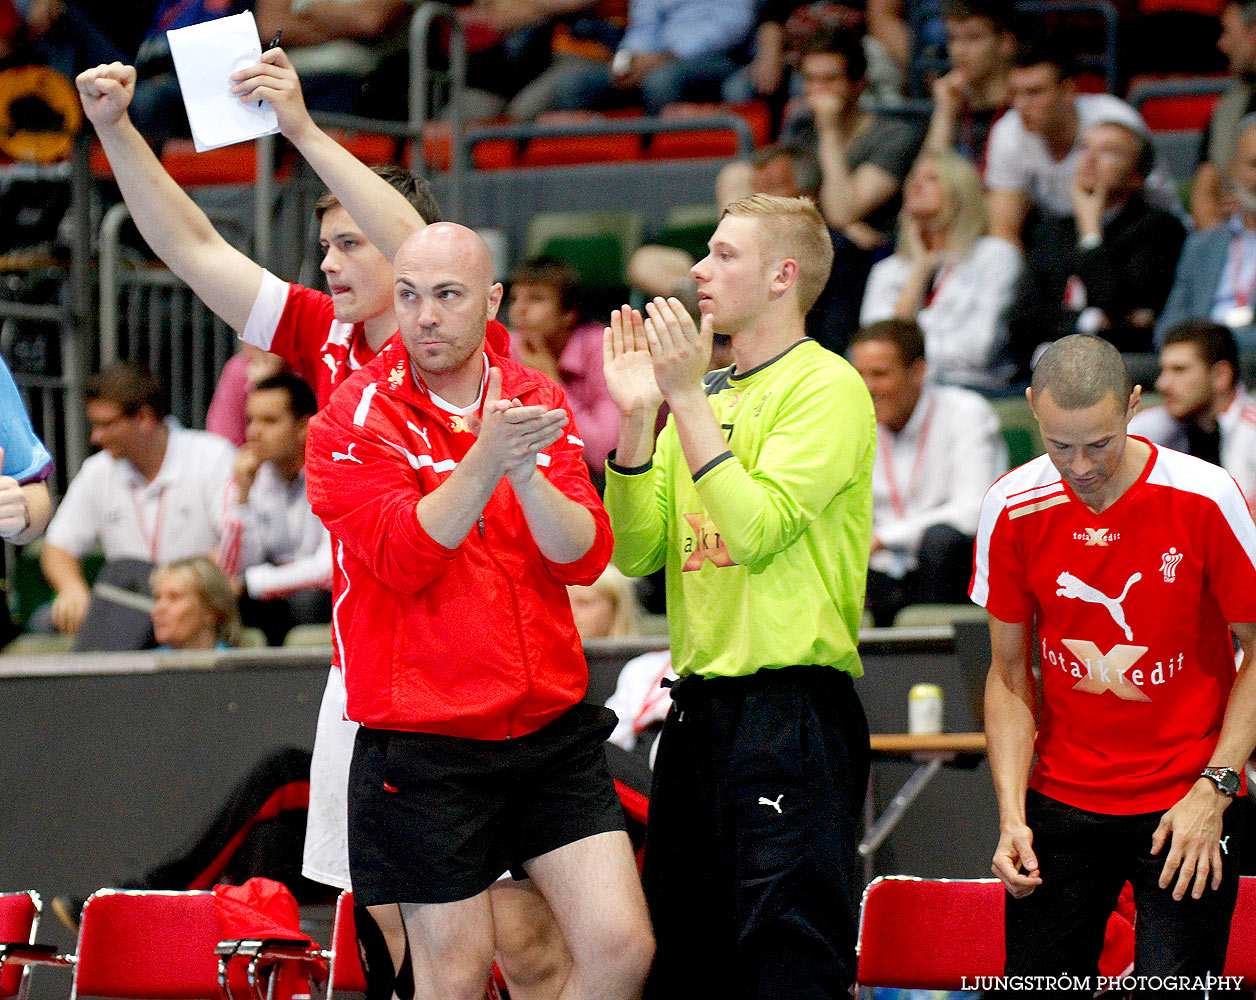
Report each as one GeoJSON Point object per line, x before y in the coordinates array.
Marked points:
{"type": "Point", "coordinates": [451, 958]}
{"type": "Point", "coordinates": [617, 949]}
{"type": "Point", "coordinates": [529, 945]}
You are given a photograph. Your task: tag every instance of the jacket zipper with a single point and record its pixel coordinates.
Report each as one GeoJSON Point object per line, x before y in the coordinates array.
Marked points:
{"type": "Point", "coordinates": [514, 606]}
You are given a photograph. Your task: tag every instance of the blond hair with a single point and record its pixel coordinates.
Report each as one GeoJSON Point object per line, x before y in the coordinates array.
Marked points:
{"type": "Point", "coordinates": [791, 229]}
{"type": "Point", "coordinates": [963, 217]}
{"type": "Point", "coordinates": [213, 588]}
{"type": "Point", "coordinates": [620, 591]}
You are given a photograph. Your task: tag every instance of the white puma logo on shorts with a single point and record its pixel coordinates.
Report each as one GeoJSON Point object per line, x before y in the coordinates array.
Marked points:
{"type": "Point", "coordinates": [765, 801]}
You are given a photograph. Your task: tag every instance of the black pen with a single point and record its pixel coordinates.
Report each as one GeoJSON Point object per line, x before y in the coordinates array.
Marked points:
{"type": "Point", "coordinates": [274, 44]}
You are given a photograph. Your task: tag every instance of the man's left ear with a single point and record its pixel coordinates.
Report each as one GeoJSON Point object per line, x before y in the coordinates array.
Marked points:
{"type": "Point", "coordinates": [1136, 399]}
{"type": "Point", "coordinates": [495, 293]}
{"type": "Point", "coordinates": [786, 275]}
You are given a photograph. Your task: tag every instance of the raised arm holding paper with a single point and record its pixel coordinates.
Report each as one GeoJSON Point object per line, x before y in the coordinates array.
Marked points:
{"type": "Point", "coordinates": [204, 56]}
{"type": "Point", "coordinates": [324, 337]}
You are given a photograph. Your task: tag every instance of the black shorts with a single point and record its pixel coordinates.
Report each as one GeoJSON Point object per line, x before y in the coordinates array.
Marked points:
{"type": "Point", "coordinates": [434, 819]}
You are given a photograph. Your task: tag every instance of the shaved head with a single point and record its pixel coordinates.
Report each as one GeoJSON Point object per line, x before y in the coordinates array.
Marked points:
{"type": "Point", "coordinates": [1079, 371]}
{"type": "Point", "coordinates": [449, 244]}
{"type": "Point", "coordinates": [444, 295]}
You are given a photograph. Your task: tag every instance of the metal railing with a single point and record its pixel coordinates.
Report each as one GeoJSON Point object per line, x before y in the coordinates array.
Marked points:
{"type": "Point", "coordinates": [464, 142]}
{"type": "Point", "coordinates": [55, 399]}
{"type": "Point", "coordinates": [149, 316]}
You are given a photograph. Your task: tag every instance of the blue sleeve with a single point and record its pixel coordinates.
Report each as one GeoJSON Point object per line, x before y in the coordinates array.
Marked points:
{"type": "Point", "coordinates": [644, 25]}
{"type": "Point", "coordinates": [25, 457]}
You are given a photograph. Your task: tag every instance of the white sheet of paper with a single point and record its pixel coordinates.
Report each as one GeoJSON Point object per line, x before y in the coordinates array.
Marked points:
{"type": "Point", "coordinates": [205, 55]}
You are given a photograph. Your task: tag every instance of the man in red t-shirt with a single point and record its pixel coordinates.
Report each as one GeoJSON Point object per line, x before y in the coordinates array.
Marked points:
{"type": "Point", "coordinates": [1130, 561]}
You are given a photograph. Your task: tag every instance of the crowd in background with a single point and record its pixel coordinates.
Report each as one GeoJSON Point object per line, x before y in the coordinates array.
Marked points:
{"type": "Point", "coordinates": [1022, 208]}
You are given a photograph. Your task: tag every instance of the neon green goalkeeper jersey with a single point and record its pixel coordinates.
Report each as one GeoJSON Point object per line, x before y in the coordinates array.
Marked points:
{"type": "Point", "coordinates": [766, 549]}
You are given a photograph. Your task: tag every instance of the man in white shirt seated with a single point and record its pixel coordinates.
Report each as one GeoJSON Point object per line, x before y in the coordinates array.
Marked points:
{"type": "Point", "coordinates": [1206, 412]}
{"type": "Point", "coordinates": [1034, 148]}
{"type": "Point", "coordinates": [938, 450]}
{"type": "Point", "coordinates": [278, 552]}
{"type": "Point", "coordinates": [153, 494]}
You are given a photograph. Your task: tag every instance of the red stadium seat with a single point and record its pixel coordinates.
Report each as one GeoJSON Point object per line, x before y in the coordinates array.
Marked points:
{"type": "Point", "coordinates": [148, 944]}
{"type": "Point", "coordinates": [346, 965]}
{"type": "Point", "coordinates": [19, 918]}
{"type": "Point", "coordinates": [930, 933]}
{"type": "Point", "coordinates": [492, 154]}
{"type": "Point", "coordinates": [370, 148]}
{"type": "Point", "coordinates": [1240, 957]}
{"type": "Point", "coordinates": [936, 933]}
{"type": "Point", "coordinates": [230, 165]}
{"type": "Point", "coordinates": [1170, 112]}
{"type": "Point", "coordinates": [701, 143]}
{"type": "Point", "coordinates": [161, 945]}
{"type": "Point", "coordinates": [563, 151]}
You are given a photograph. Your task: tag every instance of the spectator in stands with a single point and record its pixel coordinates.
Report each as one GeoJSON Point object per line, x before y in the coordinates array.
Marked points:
{"type": "Point", "coordinates": [1034, 148]}
{"type": "Point", "coordinates": [546, 334]}
{"type": "Point", "coordinates": [333, 44]}
{"type": "Point", "coordinates": [155, 493]}
{"type": "Point", "coordinates": [969, 99]}
{"type": "Point", "coordinates": [69, 37]}
{"type": "Point", "coordinates": [864, 157]}
{"type": "Point", "coordinates": [279, 551]}
{"type": "Point", "coordinates": [578, 34]}
{"type": "Point", "coordinates": [1105, 268]}
{"type": "Point", "coordinates": [938, 450]}
{"type": "Point", "coordinates": [1211, 199]}
{"type": "Point", "coordinates": [783, 27]}
{"type": "Point", "coordinates": [948, 276]}
{"type": "Point", "coordinates": [227, 409]}
{"type": "Point", "coordinates": [1216, 275]}
{"type": "Point", "coordinates": [790, 172]}
{"type": "Point", "coordinates": [606, 609]}
{"type": "Point", "coordinates": [194, 606]}
{"type": "Point", "coordinates": [1207, 412]}
{"type": "Point", "coordinates": [25, 465]}
{"type": "Point", "coordinates": [672, 51]}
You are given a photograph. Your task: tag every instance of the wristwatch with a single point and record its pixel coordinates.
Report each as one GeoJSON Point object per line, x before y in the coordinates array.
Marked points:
{"type": "Point", "coordinates": [1225, 778]}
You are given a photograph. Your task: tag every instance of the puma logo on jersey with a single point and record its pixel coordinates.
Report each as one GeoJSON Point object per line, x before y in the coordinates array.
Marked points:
{"type": "Point", "coordinates": [1073, 588]}
{"type": "Point", "coordinates": [765, 801]}
{"type": "Point", "coordinates": [347, 455]}
{"type": "Point", "coordinates": [330, 362]}
{"type": "Point", "coordinates": [421, 432]}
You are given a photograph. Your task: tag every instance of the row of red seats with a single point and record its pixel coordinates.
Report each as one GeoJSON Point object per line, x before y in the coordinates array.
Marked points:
{"type": "Point", "coordinates": [162, 944]}
{"type": "Point", "coordinates": [237, 164]}
{"type": "Point", "coordinates": [152, 944]}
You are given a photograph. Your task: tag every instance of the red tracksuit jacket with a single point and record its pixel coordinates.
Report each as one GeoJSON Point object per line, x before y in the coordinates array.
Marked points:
{"type": "Point", "coordinates": [475, 641]}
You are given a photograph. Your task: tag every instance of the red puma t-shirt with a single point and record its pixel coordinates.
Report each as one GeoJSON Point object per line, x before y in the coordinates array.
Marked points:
{"type": "Point", "coordinates": [1132, 608]}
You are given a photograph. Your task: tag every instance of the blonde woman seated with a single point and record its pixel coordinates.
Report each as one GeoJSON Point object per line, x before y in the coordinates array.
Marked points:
{"type": "Point", "coordinates": [194, 606]}
{"type": "Point", "coordinates": [948, 275]}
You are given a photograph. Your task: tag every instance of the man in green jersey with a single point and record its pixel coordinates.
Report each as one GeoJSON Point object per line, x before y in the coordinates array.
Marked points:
{"type": "Point", "coordinates": [757, 498]}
